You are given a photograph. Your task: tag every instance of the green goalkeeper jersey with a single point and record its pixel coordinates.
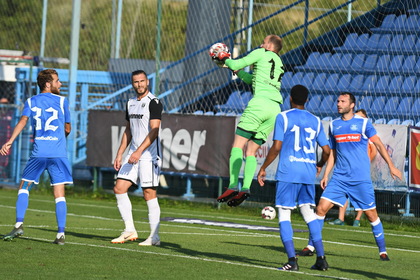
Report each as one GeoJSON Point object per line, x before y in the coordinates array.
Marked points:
{"type": "Point", "coordinates": [267, 73]}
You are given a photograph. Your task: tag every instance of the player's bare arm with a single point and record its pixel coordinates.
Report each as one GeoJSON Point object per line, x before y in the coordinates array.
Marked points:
{"type": "Point", "coordinates": [125, 140]}
{"type": "Point", "coordinates": [328, 168]}
{"type": "Point", "coordinates": [67, 128]}
{"type": "Point", "coordinates": [395, 172]}
{"type": "Point", "coordinates": [271, 156]}
{"type": "Point", "coordinates": [153, 134]}
{"type": "Point", "coordinates": [16, 131]}
{"type": "Point", "coordinates": [324, 158]}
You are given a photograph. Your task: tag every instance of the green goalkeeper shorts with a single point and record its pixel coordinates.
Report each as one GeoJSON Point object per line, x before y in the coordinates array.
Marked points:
{"type": "Point", "coordinates": [258, 119]}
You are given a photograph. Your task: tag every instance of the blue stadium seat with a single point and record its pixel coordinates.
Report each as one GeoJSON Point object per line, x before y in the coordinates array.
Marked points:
{"type": "Point", "coordinates": [373, 42]}
{"type": "Point", "coordinates": [396, 43]}
{"type": "Point", "coordinates": [395, 85]}
{"type": "Point", "coordinates": [234, 103]}
{"type": "Point", "coordinates": [344, 82]}
{"type": "Point", "coordinates": [387, 23]}
{"type": "Point", "coordinates": [362, 42]}
{"type": "Point", "coordinates": [380, 121]}
{"type": "Point", "coordinates": [378, 105]}
{"type": "Point", "coordinates": [307, 79]}
{"type": "Point", "coordinates": [412, 23]}
{"type": "Point", "coordinates": [404, 107]}
{"type": "Point", "coordinates": [323, 61]}
{"type": "Point", "coordinates": [246, 97]}
{"type": "Point", "coordinates": [356, 83]}
{"type": "Point", "coordinates": [391, 105]}
{"type": "Point", "coordinates": [407, 122]}
{"type": "Point", "coordinates": [209, 113]}
{"type": "Point", "coordinates": [381, 86]}
{"type": "Point", "coordinates": [297, 78]}
{"type": "Point", "coordinates": [319, 82]}
{"type": "Point", "coordinates": [417, 46]}
{"type": "Point", "coordinates": [334, 62]}
{"type": "Point", "coordinates": [365, 103]}
{"type": "Point", "coordinates": [345, 61]}
{"type": "Point", "coordinates": [383, 63]}
{"type": "Point", "coordinates": [384, 43]}
{"type": "Point", "coordinates": [198, 112]}
{"type": "Point", "coordinates": [408, 85]}
{"type": "Point", "coordinates": [396, 63]}
{"type": "Point", "coordinates": [331, 83]}
{"type": "Point", "coordinates": [286, 103]}
{"type": "Point", "coordinates": [409, 64]}
{"type": "Point", "coordinates": [286, 81]}
{"type": "Point", "coordinates": [313, 103]}
{"type": "Point", "coordinates": [311, 63]}
{"type": "Point", "coordinates": [369, 84]}
{"type": "Point", "coordinates": [399, 23]}
{"type": "Point", "coordinates": [394, 121]}
{"type": "Point", "coordinates": [327, 105]}
{"type": "Point", "coordinates": [370, 63]}
{"type": "Point", "coordinates": [409, 43]}
{"type": "Point", "coordinates": [417, 66]}
{"type": "Point", "coordinates": [415, 109]}
{"type": "Point", "coordinates": [350, 42]}
{"type": "Point", "coordinates": [358, 61]}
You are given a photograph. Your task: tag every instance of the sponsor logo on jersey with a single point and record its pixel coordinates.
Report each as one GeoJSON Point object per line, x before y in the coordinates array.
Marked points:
{"type": "Point", "coordinates": [47, 138]}
{"type": "Point", "coordinates": [307, 160]}
{"type": "Point", "coordinates": [347, 138]}
{"type": "Point", "coordinates": [136, 116]}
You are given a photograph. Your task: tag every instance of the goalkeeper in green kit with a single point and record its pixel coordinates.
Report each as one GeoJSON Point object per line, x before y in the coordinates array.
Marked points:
{"type": "Point", "coordinates": [258, 118]}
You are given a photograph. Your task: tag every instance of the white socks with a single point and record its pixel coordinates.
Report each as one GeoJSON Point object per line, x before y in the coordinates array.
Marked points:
{"type": "Point", "coordinates": [154, 216]}
{"type": "Point", "coordinates": [124, 205]}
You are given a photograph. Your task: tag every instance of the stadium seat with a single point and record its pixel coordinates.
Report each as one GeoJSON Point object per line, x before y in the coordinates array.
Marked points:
{"type": "Point", "coordinates": [404, 108]}
{"type": "Point", "coordinates": [377, 106]}
{"type": "Point", "coordinates": [417, 66]}
{"type": "Point", "coordinates": [319, 82]}
{"type": "Point", "coordinates": [327, 105]}
{"type": "Point", "coordinates": [286, 103]}
{"type": "Point", "coordinates": [234, 103]}
{"type": "Point", "coordinates": [344, 82]}
{"type": "Point", "coordinates": [313, 103]}
{"type": "Point", "coordinates": [209, 113]}
{"type": "Point", "coordinates": [198, 112]}
{"type": "Point", "coordinates": [345, 61]}
{"type": "Point", "coordinates": [391, 105]}
{"type": "Point", "coordinates": [381, 86]}
{"type": "Point", "coordinates": [349, 44]}
{"type": "Point", "coordinates": [380, 121]}
{"type": "Point", "coordinates": [409, 64]}
{"type": "Point", "coordinates": [331, 83]}
{"type": "Point", "coordinates": [323, 61]}
{"type": "Point", "coordinates": [383, 63]}
{"type": "Point", "coordinates": [387, 23]}
{"type": "Point", "coordinates": [370, 62]}
{"type": "Point", "coordinates": [286, 81]}
{"type": "Point", "coordinates": [297, 79]}
{"type": "Point", "coordinates": [365, 103]}
{"type": "Point", "coordinates": [394, 121]}
{"type": "Point", "coordinates": [334, 62]}
{"type": "Point", "coordinates": [220, 114]}
{"type": "Point", "coordinates": [356, 83]}
{"type": "Point", "coordinates": [396, 63]}
{"type": "Point", "coordinates": [383, 44]}
{"type": "Point", "coordinates": [396, 43]}
{"type": "Point", "coordinates": [395, 84]}
{"type": "Point", "coordinates": [409, 43]}
{"type": "Point", "coordinates": [408, 85]}
{"type": "Point", "coordinates": [399, 23]}
{"type": "Point", "coordinates": [246, 97]}
{"type": "Point", "coordinates": [369, 84]}
{"type": "Point", "coordinates": [407, 122]}
{"type": "Point", "coordinates": [307, 79]}
{"type": "Point", "coordinates": [415, 109]}
{"type": "Point", "coordinates": [417, 46]}
{"type": "Point", "coordinates": [373, 42]}
{"type": "Point", "coordinates": [362, 42]}
{"type": "Point", "coordinates": [311, 63]}
{"type": "Point", "coordinates": [358, 61]}
{"type": "Point", "coordinates": [412, 23]}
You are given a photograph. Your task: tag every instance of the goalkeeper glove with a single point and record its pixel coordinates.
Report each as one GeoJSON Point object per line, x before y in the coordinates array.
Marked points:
{"type": "Point", "coordinates": [222, 56]}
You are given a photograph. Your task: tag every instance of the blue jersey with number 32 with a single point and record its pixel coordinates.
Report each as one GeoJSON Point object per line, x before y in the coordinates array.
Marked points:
{"type": "Point", "coordinates": [48, 113]}
{"type": "Point", "coordinates": [299, 131]}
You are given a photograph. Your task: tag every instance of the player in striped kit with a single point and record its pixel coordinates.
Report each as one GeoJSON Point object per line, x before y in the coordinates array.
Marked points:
{"type": "Point", "coordinates": [50, 120]}
{"type": "Point", "coordinates": [142, 164]}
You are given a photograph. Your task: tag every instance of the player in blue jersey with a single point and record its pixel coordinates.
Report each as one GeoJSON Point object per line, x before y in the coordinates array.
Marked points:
{"type": "Point", "coordinates": [349, 139]}
{"type": "Point", "coordinates": [50, 120]}
{"type": "Point", "coordinates": [296, 134]}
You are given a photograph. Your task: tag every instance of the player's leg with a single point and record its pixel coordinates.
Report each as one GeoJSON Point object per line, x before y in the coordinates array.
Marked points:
{"type": "Point", "coordinates": [31, 174]}
{"type": "Point", "coordinates": [149, 180]}
{"type": "Point", "coordinates": [341, 215]}
{"type": "Point", "coordinates": [59, 170]}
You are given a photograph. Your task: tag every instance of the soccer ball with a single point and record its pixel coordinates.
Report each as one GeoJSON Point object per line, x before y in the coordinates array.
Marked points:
{"type": "Point", "coordinates": [268, 213]}
{"type": "Point", "coordinates": [216, 48]}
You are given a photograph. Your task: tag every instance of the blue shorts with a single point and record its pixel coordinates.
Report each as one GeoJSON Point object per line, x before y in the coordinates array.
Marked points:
{"type": "Point", "coordinates": [59, 170]}
{"type": "Point", "coordinates": [287, 194]}
{"type": "Point", "coordinates": [361, 194]}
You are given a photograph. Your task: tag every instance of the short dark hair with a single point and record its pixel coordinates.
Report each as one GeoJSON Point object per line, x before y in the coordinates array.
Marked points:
{"type": "Point", "coordinates": [363, 111]}
{"type": "Point", "coordinates": [299, 94]}
{"type": "Point", "coordinates": [44, 77]}
{"type": "Point", "coordinates": [277, 42]}
{"type": "Point", "coordinates": [351, 96]}
{"type": "Point", "coordinates": [138, 72]}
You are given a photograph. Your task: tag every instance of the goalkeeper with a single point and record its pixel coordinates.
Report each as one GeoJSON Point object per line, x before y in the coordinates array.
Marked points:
{"type": "Point", "coordinates": [258, 118]}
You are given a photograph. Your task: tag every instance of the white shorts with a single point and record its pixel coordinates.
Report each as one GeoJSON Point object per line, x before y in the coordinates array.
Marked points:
{"type": "Point", "coordinates": [145, 173]}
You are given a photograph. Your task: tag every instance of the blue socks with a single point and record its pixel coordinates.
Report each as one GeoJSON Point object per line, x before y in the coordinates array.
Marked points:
{"type": "Point", "coordinates": [22, 203]}
{"type": "Point", "coordinates": [286, 234]}
{"type": "Point", "coordinates": [61, 213]}
{"type": "Point", "coordinates": [378, 233]}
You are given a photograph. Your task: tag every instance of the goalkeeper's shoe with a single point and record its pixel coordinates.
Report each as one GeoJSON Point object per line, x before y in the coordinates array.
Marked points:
{"type": "Point", "coordinates": [238, 199]}
{"type": "Point", "coordinates": [125, 236]}
{"type": "Point", "coordinates": [384, 257]}
{"type": "Point", "coordinates": [320, 264]}
{"type": "Point", "coordinates": [60, 241]}
{"type": "Point", "coordinates": [228, 194]}
{"type": "Point", "coordinates": [151, 241]}
{"type": "Point", "coordinates": [16, 232]}
{"type": "Point", "coordinates": [306, 252]}
{"type": "Point", "coordinates": [291, 265]}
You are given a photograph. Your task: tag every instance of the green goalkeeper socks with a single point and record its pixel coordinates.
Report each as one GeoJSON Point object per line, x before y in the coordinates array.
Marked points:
{"type": "Point", "coordinates": [250, 167]}
{"type": "Point", "coordinates": [235, 163]}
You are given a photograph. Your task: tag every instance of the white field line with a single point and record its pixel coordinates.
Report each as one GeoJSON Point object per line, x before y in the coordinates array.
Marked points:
{"type": "Point", "coordinates": [230, 232]}
{"type": "Point", "coordinates": [191, 258]}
